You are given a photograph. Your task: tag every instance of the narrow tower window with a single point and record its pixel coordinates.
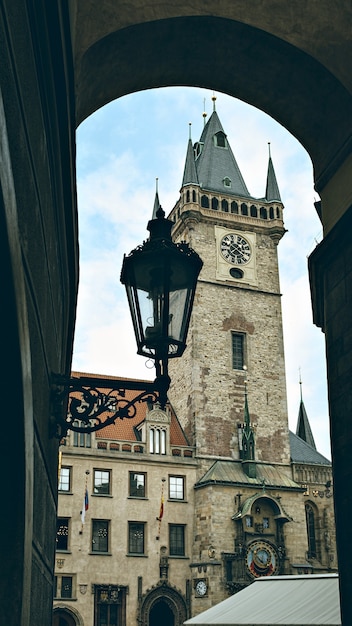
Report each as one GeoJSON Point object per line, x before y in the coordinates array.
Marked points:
{"type": "Point", "coordinates": [237, 351]}
{"type": "Point", "coordinates": [310, 520]}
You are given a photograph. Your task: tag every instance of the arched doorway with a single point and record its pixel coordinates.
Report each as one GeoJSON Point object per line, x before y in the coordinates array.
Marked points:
{"type": "Point", "coordinates": [65, 617]}
{"type": "Point", "coordinates": [161, 613]}
{"type": "Point", "coordinates": [163, 604]}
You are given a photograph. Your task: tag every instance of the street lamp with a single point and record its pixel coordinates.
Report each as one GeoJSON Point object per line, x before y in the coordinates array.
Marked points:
{"type": "Point", "coordinates": [160, 278]}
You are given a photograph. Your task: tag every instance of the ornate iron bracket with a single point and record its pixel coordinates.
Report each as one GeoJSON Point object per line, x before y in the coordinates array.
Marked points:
{"type": "Point", "coordinates": [84, 404]}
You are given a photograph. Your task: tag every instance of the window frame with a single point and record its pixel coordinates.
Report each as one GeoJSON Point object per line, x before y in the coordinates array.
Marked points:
{"type": "Point", "coordinates": [61, 520]}
{"type": "Point", "coordinates": [69, 482]}
{"type": "Point", "coordinates": [81, 440]}
{"type": "Point", "coordinates": [132, 527]}
{"type": "Point", "coordinates": [130, 484]}
{"type": "Point", "coordinates": [175, 487]}
{"type": "Point", "coordinates": [177, 544]}
{"type": "Point", "coordinates": [238, 357]}
{"type": "Point", "coordinates": [106, 540]}
{"type": "Point", "coordinates": [102, 471]}
{"type": "Point", "coordinates": [58, 587]}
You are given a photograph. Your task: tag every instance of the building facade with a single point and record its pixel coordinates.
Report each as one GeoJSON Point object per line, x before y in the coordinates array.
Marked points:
{"type": "Point", "coordinates": [192, 504]}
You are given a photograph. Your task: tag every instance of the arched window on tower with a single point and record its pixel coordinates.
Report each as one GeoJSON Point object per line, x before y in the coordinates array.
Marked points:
{"type": "Point", "coordinates": [234, 207]}
{"type": "Point", "coordinates": [263, 213]}
{"type": "Point", "coordinates": [194, 195]}
{"type": "Point", "coordinates": [254, 211]}
{"type": "Point", "coordinates": [214, 204]}
{"type": "Point", "coordinates": [271, 213]}
{"type": "Point", "coordinates": [225, 205]}
{"type": "Point", "coordinates": [204, 202]}
{"type": "Point", "coordinates": [187, 196]}
{"type": "Point", "coordinates": [244, 209]}
{"type": "Point", "coordinates": [311, 531]}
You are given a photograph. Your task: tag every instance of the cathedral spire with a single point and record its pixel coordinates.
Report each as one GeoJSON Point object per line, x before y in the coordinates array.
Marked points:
{"type": "Point", "coordinates": [272, 189]}
{"type": "Point", "coordinates": [303, 429]}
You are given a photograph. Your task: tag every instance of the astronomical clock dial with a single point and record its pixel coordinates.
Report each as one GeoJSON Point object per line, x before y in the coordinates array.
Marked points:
{"type": "Point", "coordinates": [201, 588]}
{"type": "Point", "coordinates": [262, 559]}
{"type": "Point", "coordinates": [235, 249]}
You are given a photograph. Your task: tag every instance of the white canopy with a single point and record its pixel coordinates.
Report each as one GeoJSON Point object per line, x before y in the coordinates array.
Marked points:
{"type": "Point", "coordinates": [307, 600]}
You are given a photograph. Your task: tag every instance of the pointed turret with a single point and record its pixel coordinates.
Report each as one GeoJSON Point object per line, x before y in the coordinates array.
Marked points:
{"type": "Point", "coordinates": [248, 443]}
{"type": "Point", "coordinates": [157, 205]}
{"type": "Point", "coordinates": [303, 429]}
{"type": "Point", "coordinates": [190, 172]}
{"type": "Point", "coordinates": [272, 189]}
{"type": "Point", "coordinates": [216, 165]}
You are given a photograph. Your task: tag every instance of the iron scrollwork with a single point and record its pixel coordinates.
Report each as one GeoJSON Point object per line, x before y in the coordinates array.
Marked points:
{"type": "Point", "coordinates": [85, 405]}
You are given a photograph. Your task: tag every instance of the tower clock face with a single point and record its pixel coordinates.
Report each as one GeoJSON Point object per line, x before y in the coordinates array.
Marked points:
{"type": "Point", "coordinates": [235, 249]}
{"type": "Point", "coordinates": [201, 587]}
{"type": "Point", "coordinates": [262, 559]}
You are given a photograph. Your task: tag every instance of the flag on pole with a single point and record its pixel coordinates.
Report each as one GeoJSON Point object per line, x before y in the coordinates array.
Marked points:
{"type": "Point", "coordinates": [161, 512]}
{"type": "Point", "coordinates": [85, 506]}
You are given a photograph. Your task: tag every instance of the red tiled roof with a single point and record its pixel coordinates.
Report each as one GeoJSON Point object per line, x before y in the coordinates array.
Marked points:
{"type": "Point", "coordinates": [124, 429]}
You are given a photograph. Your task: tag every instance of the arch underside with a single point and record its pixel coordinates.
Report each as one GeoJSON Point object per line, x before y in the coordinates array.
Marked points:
{"type": "Point", "coordinates": [229, 57]}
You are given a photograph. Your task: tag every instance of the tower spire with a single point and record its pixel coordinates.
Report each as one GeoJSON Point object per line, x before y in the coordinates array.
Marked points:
{"type": "Point", "coordinates": [272, 189]}
{"type": "Point", "coordinates": [156, 201]}
{"type": "Point", "coordinates": [303, 429]}
{"type": "Point", "coordinates": [190, 172]}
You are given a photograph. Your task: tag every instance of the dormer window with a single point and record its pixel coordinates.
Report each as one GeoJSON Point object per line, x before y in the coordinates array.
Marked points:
{"type": "Point", "coordinates": [157, 440]}
{"type": "Point", "coordinates": [198, 147]}
{"type": "Point", "coordinates": [220, 139]}
{"type": "Point", "coordinates": [227, 181]}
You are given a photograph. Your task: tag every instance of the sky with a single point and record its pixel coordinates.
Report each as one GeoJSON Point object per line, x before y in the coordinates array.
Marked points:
{"type": "Point", "coordinates": [121, 150]}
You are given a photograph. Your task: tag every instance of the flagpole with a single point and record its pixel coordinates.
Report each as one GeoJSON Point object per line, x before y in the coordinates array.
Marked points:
{"type": "Point", "coordinates": [161, 511]}
{"type": "Point", "coordinates": [85, 504]}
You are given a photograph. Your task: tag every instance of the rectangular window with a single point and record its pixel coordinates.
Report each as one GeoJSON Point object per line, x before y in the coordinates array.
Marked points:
{"type": "Point", "coordinates": [100, 535]}
{"type": "Point", "coordinates": [65, 479]}
{"type": "Point", "coordinates": [110, 605]}
{"type": "Point", "coordinates": [138, 483]}
{"type": "Point", "coordinates": [177, 540]}
{"type": "Point", "coordinates": [237, 351]}
{"type": "Point", "coordinates": [65, 586]}
{"type": "Point", "coordinates": [176, 488]}
{"type": "Point", "coordinates": [102, 482]}
{"type": "Point", "coordinates": [81, 440]}
{"type": "Point", "coordinates": [249, 521]}
{"type": "Point", "coordinates": [136, 537]}
{"type": "Point", "coordinates": [62, 533]}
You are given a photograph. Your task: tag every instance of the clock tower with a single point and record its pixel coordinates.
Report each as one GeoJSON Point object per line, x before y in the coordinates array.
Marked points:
{"type": "Point", "coordinates": [235, 340]}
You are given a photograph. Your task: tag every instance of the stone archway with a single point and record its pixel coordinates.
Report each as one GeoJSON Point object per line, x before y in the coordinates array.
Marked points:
{"type": "Point", "coordinates": [64, 616]}
{"type": "Point", "coordinates": [163, 604]}
{"type": "Point", "coordinates": [161, 613]}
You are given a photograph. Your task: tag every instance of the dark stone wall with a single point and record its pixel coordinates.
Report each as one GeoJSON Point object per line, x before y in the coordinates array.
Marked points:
{"type": "Point", "coordinates": [38, 235]}
{"type": "Point", "coordinates": [330, 268]}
